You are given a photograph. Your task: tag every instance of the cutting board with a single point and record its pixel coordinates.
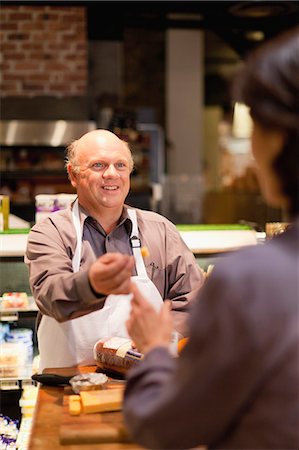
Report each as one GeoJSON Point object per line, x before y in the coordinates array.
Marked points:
{"type": "Point", "coordinates": [93, 428]}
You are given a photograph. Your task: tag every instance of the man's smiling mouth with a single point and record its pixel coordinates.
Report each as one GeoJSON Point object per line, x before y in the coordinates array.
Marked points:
{"type": "Point", "coordinates": [110, 188]}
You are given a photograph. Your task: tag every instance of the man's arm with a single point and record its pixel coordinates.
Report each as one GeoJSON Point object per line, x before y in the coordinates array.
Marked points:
{"type": "Point", "coordinates": [58, 291]}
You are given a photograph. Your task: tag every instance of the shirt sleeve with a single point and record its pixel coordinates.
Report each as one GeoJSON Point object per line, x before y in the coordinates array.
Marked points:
{"type": "Point", "coordinates": [58, 291]}
{"type": "Point", "coordinates": [184, 278]}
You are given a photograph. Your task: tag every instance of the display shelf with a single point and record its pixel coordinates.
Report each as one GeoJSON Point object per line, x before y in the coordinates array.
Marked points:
{"type": "Point", "coordinates": [213, 239]}
{"type": "Point", "coordinates": [9, 382]}
{"type": "Point", "coordinates": [13, 242]}
{"type": "Point", "coordinates": [13, 314]}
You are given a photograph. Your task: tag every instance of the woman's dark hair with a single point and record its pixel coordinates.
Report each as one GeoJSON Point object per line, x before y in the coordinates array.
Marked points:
{"type": "Point", "coordinates": [269, 85]}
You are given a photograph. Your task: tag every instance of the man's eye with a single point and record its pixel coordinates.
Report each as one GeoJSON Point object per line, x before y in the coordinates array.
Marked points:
{"type": "Point", "coordinates": [98, 165]}
{"type": "Point", "coordinates": [120, 165]}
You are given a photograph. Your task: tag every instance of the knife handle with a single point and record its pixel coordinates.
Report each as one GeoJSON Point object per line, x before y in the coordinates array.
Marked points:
{"type": "Point", "coordinates": [51, 379]}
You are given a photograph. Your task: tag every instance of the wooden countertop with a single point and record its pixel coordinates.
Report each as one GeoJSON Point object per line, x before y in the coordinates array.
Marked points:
{"type": "Point", "coordinates": [45, 433]}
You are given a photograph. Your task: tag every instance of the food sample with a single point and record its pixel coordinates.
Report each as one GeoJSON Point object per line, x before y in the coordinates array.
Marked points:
{"type": "Point", "coordinates": [145, 252]}
{"type": "Point", "coordinates": [116, 354]}
{"type": "Point", "coordinates": [181, 344]}
{"type": "Point", "coordinates": [88, 382]}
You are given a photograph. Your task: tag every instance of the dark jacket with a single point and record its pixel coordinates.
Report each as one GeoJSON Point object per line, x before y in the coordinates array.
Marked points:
{"type": "Point", "coordinates": [235, 385]}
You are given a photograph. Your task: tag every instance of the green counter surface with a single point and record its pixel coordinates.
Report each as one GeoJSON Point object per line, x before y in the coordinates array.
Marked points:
{"type": "Point", "coordinates": [220, 227]}
{"type": "Point", "coordinates": [16, 231]}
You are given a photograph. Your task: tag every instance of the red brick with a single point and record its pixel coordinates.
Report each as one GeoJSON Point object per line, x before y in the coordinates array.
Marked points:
{"type": "Point", "coordinates": [73, 37]}
{"type": "Point", "coordinates": [53, 66]}
{"type": "Point", "coordinates": [10, 8]}
{"type": "Point", "coordinates": [47, 16]}
{"type": "Point", "coordinates": [3, 15]}
{"type": "Point", "coordinates": [55, 26]}
{"type": "Point", "coordinates": [7, 87]}
{"type": "Point", "coordinates": [71, 18]}
{"type": "Point", "coordinates": [36, 86]}
{"type": "Point", "coordinates": [27, 66]}
{"type": "Point", "coordinates": [4, 66]}
{"type": "Point", "coordinates": [60, 86]}
{"type": "Point", "coordinates": [81, 45]}
{"type": "Point", "coordinates": [31, 8]}
{"type": "Point", "coordinates": [9, 26]}
{"type": "Point", "coordinates": [75, 77]}
{"type": "Point", "coordinates": [14, 56]}
{"type": "Point", "coordinates": [32, 26]}
{"type": "Point", "coordinates": [72, 57]}
{"type": "Point", "coordinates": [47, 37]}
{"type": "Point", "coordinates": [20, 16]}
{"type": "Point", "coordinates": [32, 45]}
{"type": "Point", "coordinates": [18, 36]}
{"type": "Point", "coordinates": [12, 77]}
{"type": "Point", "coordinates": [42, 55]}
{"type": "Point", "coordinates": [7, 46]}
{"type": "Point", "coordinates": [39, 77]}
{"type": "Point", "coordinates": [56, 46]}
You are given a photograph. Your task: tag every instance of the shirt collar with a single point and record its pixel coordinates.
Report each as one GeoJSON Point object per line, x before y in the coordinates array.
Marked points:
{"type": "Point", "coordinates": [124, 220]}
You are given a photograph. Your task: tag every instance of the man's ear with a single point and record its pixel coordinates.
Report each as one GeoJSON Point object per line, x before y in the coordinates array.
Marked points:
{"type": "Point", "coordinates": [73, 176]}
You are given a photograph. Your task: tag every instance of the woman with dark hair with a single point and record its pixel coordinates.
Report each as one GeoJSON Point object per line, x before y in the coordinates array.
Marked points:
{"type": "Point", "coordinates": [268, 85]}
{"type": "Point", "coordinates": [235, 384]}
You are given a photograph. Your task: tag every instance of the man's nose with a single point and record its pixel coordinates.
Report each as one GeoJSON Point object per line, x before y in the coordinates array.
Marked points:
{"type": "Point", "coordinates": [111, 171]}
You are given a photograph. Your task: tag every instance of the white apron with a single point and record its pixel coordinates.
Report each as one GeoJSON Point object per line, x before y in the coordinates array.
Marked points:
{"type": "Point", "coordinates": [71, 343]}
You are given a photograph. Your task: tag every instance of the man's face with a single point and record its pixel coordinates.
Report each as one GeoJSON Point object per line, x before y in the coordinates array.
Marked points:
{"type": "Point", "coordinates": [103, 180]}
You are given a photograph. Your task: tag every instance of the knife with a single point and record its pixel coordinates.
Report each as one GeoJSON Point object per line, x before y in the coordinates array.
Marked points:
{"type": "Point", "coordinates": [51, 379]}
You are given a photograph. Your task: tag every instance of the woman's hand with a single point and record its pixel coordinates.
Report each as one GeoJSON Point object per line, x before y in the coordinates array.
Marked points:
{"type": "Point", "coordinates": [147, 327]}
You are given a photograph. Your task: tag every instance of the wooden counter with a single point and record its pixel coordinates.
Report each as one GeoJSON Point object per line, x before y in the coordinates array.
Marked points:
{"type": "Point", "coordinates": [48, 416]}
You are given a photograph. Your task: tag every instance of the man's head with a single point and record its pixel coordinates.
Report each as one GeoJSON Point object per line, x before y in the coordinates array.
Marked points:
{"type": "Point", "coordinates": [99, 165]}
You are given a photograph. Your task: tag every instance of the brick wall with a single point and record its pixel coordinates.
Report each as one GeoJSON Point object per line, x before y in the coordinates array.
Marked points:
{"type": "Point", "coordinates": [43, 51]}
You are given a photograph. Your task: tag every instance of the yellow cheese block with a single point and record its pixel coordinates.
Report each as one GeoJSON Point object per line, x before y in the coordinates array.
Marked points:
{"type": "Point", "coordinates": [75, 406]}
{"type": "Point", "coordinates": [103, 400]}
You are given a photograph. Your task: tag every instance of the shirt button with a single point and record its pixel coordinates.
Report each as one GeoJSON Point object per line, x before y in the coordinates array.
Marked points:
{"type": "Point", "coordinates": [108, 238]}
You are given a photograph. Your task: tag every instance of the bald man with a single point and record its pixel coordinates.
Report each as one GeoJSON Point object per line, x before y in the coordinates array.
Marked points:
{"type": "Point", "coordinates": [82, 260]}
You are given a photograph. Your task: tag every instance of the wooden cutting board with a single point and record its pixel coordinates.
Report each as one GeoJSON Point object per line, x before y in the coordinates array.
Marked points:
{"type": "Point", "coordinates": [93, 428]}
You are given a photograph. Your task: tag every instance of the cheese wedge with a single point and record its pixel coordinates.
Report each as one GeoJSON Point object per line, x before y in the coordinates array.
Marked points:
{"type": "Point", "coordinates": [99, 401]}
{"type": "Point", "coordinates": [145, 252]}
{"type": "Point", "coordinates": [75, 406]}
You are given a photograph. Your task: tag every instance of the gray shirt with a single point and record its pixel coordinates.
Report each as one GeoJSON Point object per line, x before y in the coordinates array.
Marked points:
{"type": "Point", "coordinates": [235, 385]}
{"type": "Point", "coordinates": [64, 295]}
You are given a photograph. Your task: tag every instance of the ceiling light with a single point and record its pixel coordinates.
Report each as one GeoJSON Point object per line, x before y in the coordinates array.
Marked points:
{"type": "Point", "coordinates": [184, 16]}
{"type": "Point", "coordinates": [259, 9]}
{"type": "Point", "coordinates": [255, 36]}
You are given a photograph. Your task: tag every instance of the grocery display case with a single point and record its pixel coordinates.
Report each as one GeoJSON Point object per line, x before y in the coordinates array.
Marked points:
{"type": "Point", "coordinates": [16, 371]}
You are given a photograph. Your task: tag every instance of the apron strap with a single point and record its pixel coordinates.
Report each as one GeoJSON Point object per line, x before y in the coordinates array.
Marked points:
{"type": "Point", "coordinates": [76, 220]}
{"type": "Point", "coordinates": [136, 244]}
